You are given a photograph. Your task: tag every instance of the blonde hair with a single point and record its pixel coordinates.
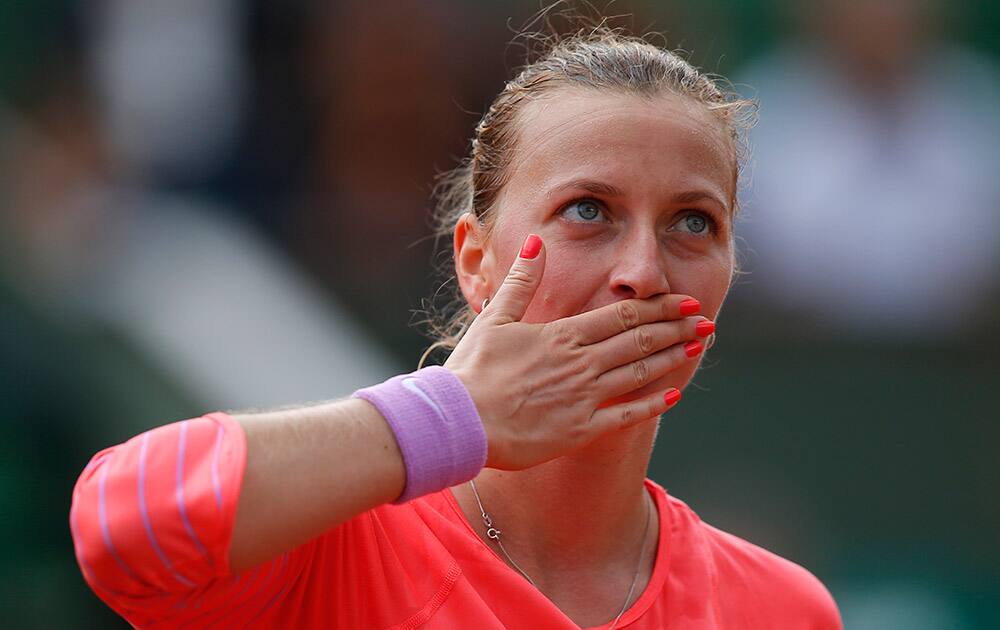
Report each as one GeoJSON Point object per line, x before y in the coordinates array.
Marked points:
{"type": "Point", "coordinates": [598, 58]}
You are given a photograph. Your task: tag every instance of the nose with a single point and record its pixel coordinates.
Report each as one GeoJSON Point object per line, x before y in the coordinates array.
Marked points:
{"type": "Point", "coordinates": [639, 270]}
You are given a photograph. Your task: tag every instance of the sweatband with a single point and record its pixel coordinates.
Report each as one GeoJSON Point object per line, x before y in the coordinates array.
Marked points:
{"type": "Point", "coordinates": [437, 427]}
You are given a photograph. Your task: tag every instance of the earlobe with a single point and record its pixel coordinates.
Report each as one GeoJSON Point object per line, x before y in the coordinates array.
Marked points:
{"type": "Point", "coordinates": [469, 257]}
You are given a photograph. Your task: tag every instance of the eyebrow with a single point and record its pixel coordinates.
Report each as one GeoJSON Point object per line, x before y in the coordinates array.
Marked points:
{"type": "Point", "coordinates": [592, 186]}
{"type": "Point", "coordinates": [602, 188]}
{"type": "Point", "coordinates": [694, 196]}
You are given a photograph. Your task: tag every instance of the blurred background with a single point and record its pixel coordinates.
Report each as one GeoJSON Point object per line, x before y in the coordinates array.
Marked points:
{"type": "Point", "coordinates": [225, 205]}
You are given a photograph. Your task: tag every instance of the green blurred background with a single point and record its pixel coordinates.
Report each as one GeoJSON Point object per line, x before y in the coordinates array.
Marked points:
{"type": "Point", "coordinates": [225, 205]}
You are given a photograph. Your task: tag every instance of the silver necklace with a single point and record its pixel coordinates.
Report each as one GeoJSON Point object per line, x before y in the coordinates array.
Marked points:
{"type": "Point", "coordinates": [494, 534]}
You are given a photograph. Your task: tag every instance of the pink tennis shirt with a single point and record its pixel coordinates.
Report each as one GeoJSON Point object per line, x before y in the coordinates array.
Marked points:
{"type": "Point", "coordinates": [152, 521]}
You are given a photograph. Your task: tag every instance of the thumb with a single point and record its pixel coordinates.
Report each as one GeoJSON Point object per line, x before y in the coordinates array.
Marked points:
{"type": "Point", "coordinates": [514, 295]}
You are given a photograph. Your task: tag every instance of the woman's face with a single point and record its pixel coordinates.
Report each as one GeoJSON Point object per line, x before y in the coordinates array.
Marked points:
{"type": "Point", "coordinates": [632, 198]}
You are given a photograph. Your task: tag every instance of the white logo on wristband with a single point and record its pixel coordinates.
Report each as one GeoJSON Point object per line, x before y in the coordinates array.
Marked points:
{"type": "Point", "coordinates": [411, 384]}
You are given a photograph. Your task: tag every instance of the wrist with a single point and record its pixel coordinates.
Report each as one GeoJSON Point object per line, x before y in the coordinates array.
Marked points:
{"type": "Point", "coordinates": [436, 426]}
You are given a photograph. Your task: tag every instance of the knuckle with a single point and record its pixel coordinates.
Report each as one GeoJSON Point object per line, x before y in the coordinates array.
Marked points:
{"type": "Point", "coordinates": [519, 276]}
{"type": "Point", "coordinates": [652, 409]}
{"type": "Point", "coordinates": [643, 340]}
{"type": "Point", "coordinates": [578, 433]}
{"type": "Point", "coordinates": [563, 335]}
{"type": "Point", "coordinates": [640, 370]}
{"type": "Point", "coordinates": [666, 309]}
{"type": "Point", "coordinates": [627, 415]}
{"type": "Point", "coordinates": [578, 366]}
{"type": "Point", "coordinates": [628, 316]}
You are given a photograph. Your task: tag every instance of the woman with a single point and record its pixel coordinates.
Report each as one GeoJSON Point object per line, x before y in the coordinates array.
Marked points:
{"type": "Point", "coordinates": [611, 164]}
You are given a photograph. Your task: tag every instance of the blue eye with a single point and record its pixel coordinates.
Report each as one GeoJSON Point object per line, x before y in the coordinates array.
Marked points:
{"type": "Point", "coordinates": [584, 211]}
{"type": "Point", "coordinates": [695, 223]}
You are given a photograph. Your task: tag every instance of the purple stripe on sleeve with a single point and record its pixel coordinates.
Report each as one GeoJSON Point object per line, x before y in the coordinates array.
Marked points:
{"type": "Point", "coordinates": [87, 571]}
{"type": "Point", "coordinates": [145, 515]}
{"type": "Point", "coordinates": [105, 531]}
{"type": "Point", "coordinates": [182, 443]}
{"type": "Point", "coordinates": [215, 468]}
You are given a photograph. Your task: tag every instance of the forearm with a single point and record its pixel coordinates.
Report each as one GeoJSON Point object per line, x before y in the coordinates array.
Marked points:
{"type": "Point", "coordinates": [310, 469]}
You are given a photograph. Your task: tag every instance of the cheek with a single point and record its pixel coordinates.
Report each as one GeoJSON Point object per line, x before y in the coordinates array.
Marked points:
{"type": "Point", "coordinates": [562, 293]}
{"type": "Point", "coordinates": [569, 286]}
{"type": "Point", "coordinates": [569, 283]}
{"type": "Point", "coordinates": [706, 279]}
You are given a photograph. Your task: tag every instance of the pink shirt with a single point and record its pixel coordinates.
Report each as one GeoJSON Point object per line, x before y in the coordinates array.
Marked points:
{"type": "Point", "coordinates": [152, 521]}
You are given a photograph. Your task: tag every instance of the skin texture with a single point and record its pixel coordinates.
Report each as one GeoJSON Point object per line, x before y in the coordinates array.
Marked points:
{"type": "Point", "coordinates": [575, 523]}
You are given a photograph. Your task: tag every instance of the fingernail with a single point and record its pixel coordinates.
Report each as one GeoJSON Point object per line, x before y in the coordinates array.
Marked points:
{"type": "Point", "coordinates": [672, 396]}
{"type": "Point", "coordinates": [704, 329]}
{"type": "Point", "coordinates": [693, 348]}
{"type": "Point", "coordinates": [690, 306]}
{"type": "Point", "coordinates": [532, 245]}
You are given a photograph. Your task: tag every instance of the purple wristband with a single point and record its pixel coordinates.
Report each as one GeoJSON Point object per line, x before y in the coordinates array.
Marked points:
{"type": "Point", "coordinates": [437, 428]}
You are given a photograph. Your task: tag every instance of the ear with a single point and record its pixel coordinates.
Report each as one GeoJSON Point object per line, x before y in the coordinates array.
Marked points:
{"type": "Point", "coordinates": [472, 261]}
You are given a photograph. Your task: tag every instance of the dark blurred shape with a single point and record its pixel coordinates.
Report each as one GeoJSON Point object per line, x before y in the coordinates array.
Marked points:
{"type": "Point", "coordinates": [170, 81]}
{"type": "Point", "coordinates": [382, 81]}
{"type": "Point", "coordinates": [873, 205]}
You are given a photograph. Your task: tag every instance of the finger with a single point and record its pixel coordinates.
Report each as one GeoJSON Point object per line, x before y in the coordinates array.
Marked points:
{"type": "Point", "coordinates": [607, 321]}
{"type": "Point", "coordinates": [514, 295]}
{"type": "Point", "coordinates": [625, 415]}
{"type": "Point", "coordinates": [632, 376]}
{"type": "Point", "coordinates": [646, 339]}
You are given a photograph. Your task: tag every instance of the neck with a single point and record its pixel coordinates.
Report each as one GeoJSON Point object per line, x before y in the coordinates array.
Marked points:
{"type": "Point", "coordinates": [580, 512]}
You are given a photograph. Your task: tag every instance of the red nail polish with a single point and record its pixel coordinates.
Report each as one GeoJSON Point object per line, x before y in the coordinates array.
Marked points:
{"type": "Point", "coordinates": [704, 329]}
{"type": "Point", "coordinates": [532, 245]}
{"type": "Point", "coordinates": [690, 306]}
{"type": "Point", "coordinates": [672, 396]}
{"type": "Point", "coordinates": [693, 348]}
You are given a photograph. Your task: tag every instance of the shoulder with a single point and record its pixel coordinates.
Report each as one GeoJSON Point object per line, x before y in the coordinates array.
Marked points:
{"type": "Point", "coordinates": [775, 587]}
